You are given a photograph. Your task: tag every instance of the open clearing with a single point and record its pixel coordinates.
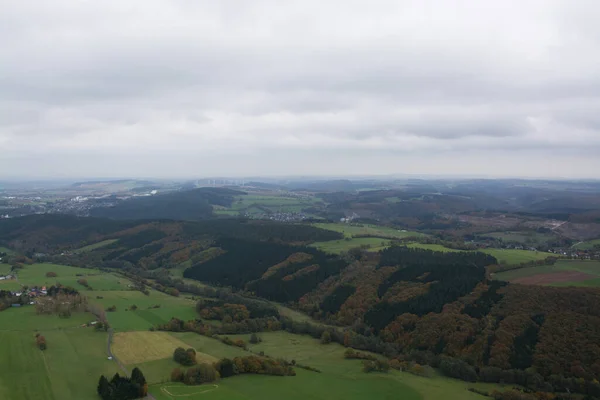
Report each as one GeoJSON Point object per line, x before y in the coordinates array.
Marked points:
{"type": "Point", "coordinates": [588, 245]}
{"type": "Point", "coordinates": [139, 347]}
{"type": "Point", "coordinates": [35, 275]}
{"type": "Point", "coordinates": [513, 257]}
{"type": "Point", "coordinates": [350, 230]}
{"type": "Point", "coordinates": [95, 246]}
{"type": "Point", "coordinates": [145, 316]}
{"type": "Point", "coordinates": [339, 246]}
{"type": "Point", "coordinates": [525, 237]}
{"type": "Point", "coordinates": [562, 273]}
{"type": "Point", "coordinates": [68, 369]}
{"type": "Point", "coordinates": [340, 379]}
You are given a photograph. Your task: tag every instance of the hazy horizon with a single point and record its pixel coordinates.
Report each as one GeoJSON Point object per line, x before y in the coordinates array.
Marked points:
{"type": "Point", "coordinates": [186, 89]}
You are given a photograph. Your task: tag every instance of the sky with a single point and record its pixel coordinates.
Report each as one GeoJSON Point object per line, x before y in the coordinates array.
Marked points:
{"type": "Point", "coordinates": [194, 88]}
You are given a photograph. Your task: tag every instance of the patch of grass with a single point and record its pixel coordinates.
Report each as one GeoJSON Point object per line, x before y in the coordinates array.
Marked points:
{"type": "Point", "coordinates": [6, 250]}
{"type": "Point", "coordinates": [35, 275]}
{"type": "Point", "coordinates": [68, 369]}
{"type": "Point", "coordinates": [339, 246]}
{"type": "Point", "coordinates": [587, 267]}
{"type": "Point", "coordinates": [24, 319]}
{"type": "Point", "coordinates": [590, 245]}
{"type": "Point", "coordinates": [340, 379]}
{"type": "Point", "coordinates": [513, 257]}
{"type": "Point", "coordinates": [433, 247]}
{"type": "Point", "coordinates": [144, 317]}
{"type": "Point", "coordinates": [350, 230]}
{"type": "Point", "coordinates": [95, 246]}
{"type": "Point", "coordinates": [139, 347]}
{"type": "Point", "coordinates": [525, 237]}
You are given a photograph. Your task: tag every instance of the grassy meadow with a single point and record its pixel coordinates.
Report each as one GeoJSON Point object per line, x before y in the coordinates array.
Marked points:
{"type": "Point", "coordinates": [35, 275]}
{"type": "Point", "coordinates": [340, 246]}
{"type": "Point", "coordinates": [590, 245]}
{"type": "Point", "coordinates": [95, 246]}
{"type": "Point", "coordinates": [513, 257]}
{"type": "Point", "coordinates": [350, 230]}
{"type": "Point", "coordinates": [591, 268]}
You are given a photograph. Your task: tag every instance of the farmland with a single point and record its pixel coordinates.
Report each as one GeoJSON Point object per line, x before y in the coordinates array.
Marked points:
{"type": "Point", "coordinates": [340, 378]}
{"type": "Point", "coordinates": [512, 257]}
{"type": "Point", "coordinates": [351, 230]}
{"type": "Point", "coordinates": [563, 273]}
{"type": "Point", "coordinates": [257, 204]}
{"type": "Point", "coordinates": [531, 238]}
{"type": "Point", "coordinates": [35, 275]}
{"type": "Point", "coordinates": [592, 244]}
{"type": "Point", "coordinates": [339, 246]}
{"type": "Point", "coordinates": [378, 237]}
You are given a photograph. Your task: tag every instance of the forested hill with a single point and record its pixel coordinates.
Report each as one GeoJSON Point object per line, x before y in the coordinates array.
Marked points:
{"type": "Point", "coordinates": [188, 205]}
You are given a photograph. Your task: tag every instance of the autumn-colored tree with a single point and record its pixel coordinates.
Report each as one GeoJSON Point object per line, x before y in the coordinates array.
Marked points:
{"type": "Point", "coordinates": [41, 342]}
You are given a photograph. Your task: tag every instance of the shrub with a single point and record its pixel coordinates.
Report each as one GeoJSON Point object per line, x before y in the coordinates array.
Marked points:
{"type": "Point", "coordinates": [111, 308]}
{"type": "Point", "coordinates": [254, 339]}
{"type": "Point", "coordinates": [51, 274]}
{"type": "Point", "coordinates": [326, 337]}
{"type": "Point", "coordinates": [184, 357]}
{"type": "Point", "coordinates": [177, 375]}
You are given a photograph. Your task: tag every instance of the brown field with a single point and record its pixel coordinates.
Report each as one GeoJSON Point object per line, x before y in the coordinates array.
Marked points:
{"type": "Point", "coordinates": [139, 347]}
{"type": "Point", "coordinates": [555, 277]}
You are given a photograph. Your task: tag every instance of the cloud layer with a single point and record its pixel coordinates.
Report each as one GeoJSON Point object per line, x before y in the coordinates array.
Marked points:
{"type": "Point", "coordinates": [199, 88]}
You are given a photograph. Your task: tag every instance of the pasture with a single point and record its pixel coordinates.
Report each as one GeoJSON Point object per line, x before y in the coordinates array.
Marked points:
{"type": "Point", "coordinates": [531, 238]}
{"type": "Point", "coordinates": [68, 369]}
{"type": "Point", "coordinates": [340, 246]}
{"type": "Point", "coordinates": [431, 246]}
{"type": "Point", "coordinates": [590, 245]}
{"type": "Point", "coordinates": [139, 347]}
{"type": "Point", "coordinates": [351, 230]}
{"type": "Point", "coordinates": [145, 316]}
{"type": "Point", "coordinates": [95, 246]}
{"type": "Point", "coordinates": [340, 378]}
{"type": "Point", "coordinates": [563, 273]}
{"type": "Point", "coordinates": [35, 275]}
{"type": "Point", "coordinates": [514, 257]}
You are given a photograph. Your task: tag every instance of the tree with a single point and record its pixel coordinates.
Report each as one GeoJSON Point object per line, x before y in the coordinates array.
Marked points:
{"type": "Point", "coordinates": [184, 357]}
{"type": "Point", "coordinates": [326, 337]}
{"type": "Point", "coordinates": [254, 339]}
{"type": "Point", "coordinates": [104, 388]}
{"type": "Point", "coordinates": [138, 377]}
{"type": "Point", "coordinates": [176, 375]}
{"type": "Point", "coordinates": [51, 274]}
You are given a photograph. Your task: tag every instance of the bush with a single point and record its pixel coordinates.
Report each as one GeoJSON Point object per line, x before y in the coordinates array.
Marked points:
{"type": "Point", "coordinates": [51, 274]}
{"type": "Point", "coordinates": [112, 309]}
{"type": "Point", "coordinates": [40, 341]}
{"type": "Point", "coordinates": [203, 373]}
{"type": "Point", "coordinates": [177, 375]}
{"type": "Point", "coordinates": [326, 337]}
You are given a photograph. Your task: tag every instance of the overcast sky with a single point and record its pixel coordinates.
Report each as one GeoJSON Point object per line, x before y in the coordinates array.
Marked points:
{"type": "Point", "coordinates": [191, 88]}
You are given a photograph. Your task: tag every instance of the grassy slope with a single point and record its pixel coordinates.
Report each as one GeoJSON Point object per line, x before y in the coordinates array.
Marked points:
{"type": "Point", "coordinates": [588, 245]}
{"type": "Point", "coordinates": [511, 256]}
{"type": "Point", "coordinates": [339, 246]}
{"type": "Point", "coordinates": [588, 267]}
{"type": "Point", "coordinates": [95, 246]}
{"type": "Point", "coordinates": [366, 229]}
{"type": "Point", "coordinates": [340, 378]}
{"type": "Point", "coordinates": [144, 317]}
{"type": "Point", "coordinates": [35, 274]}
{"type": "Point", "coordinates": [68, 369]}
{"type": "Point", "coordinates": [521, 237]}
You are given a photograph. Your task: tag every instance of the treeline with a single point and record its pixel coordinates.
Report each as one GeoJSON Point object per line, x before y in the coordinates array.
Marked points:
{"type": "Point", "coordinates": [123, 387]}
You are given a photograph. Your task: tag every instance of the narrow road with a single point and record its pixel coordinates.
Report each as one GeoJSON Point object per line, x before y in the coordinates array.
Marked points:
{"type": "Point", "coordinates": [110, 354]}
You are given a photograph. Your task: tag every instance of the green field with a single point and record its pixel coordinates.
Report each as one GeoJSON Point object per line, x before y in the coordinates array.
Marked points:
{"type": "Point", "coordinates": [68, 369]}
{"type": "Point", "coordinates": [35, 275]}
{"type": "Point", "coordinates": [523, 237]}
{"type": "Point", "coordinates": [144, 317]}
{"type": "Point", "coordinates": [6, 250]}
{"type": "Point", "coordinates": [587, 267]}
{"type": "Point", "coordinates": [430, 246]}
{"type": "Point", "coordinates": [513, 257]}
{"type": "Point", "coordinates": [587, 245]}
{"type": "Point", "coordinates": [256, 204]}
{"type": "Point", "coordinates": [95, 246]}
{"type": "Point", "coordinates": [340, 379]}
{"type": "Point", "coordinates": [350, 230]}
{"type": "Point", "coordinates": [339, 246]}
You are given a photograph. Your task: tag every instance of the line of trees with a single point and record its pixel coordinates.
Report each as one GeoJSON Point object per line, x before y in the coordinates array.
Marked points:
{"type": "Point", "coordinates": [123, 387]}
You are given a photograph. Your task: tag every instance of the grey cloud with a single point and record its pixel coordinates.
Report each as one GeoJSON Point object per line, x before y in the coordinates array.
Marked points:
{"type": "Point", "coordinates": [189, 80]}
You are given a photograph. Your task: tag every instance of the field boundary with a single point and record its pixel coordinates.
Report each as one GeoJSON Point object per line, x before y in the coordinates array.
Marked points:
{"type": "Point", "coordinates": [165, 390]}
